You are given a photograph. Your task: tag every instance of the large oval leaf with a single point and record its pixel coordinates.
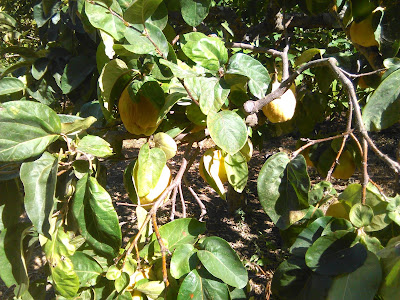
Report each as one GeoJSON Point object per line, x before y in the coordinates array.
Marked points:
{"type": "Point", "coordinates": [221, 261]}
{"type": "Point", "coordinates": [362, 284]}
{"type": "Point", "coordinates": [10, 85]}
{"type": "Point", "coordinates": [293, 280]}
{"type": "Point", "coordinates": [12, 260]}
{"type": "Point", "coordinates": [283, 187]}
{"type": "Point", "coordinates": [333, 254]}
{"type": "Point", "coordinates": [95, 215]}
{"type": "Point", "coordinates": [26, 129]}
{"type": "Point", "coordinates": [194, 11]}
{"type": "Point", "coordinates": [87, 269]}
{"type": "Point", "coordinates": [390, 260]}
{"type": "Point", "coordinates": [39, 178]}
{"type": "Point", "coordinates": [383, 109]}
{"type": "Point", "coordinates": [100, 17]}
{"type": "Point", "coordinates": [140, 10]}
{"type": "Point", "coordinates": [227, 130]}
{"type": "Point", "coordinates": [352, 196]}
{"type": "Point", "coordinates": [75, 72]}
{"type": "Point", "coordinates": [258, 75]}
{"type": "Point", "coordinates": [202, 285]}
{"type": "Point", "coordinates": [11, 202]}
{"type": "Point", "coordinates": [58, 249]}
{"type": "Point", "coordinates": [183, 260]}
{"type": "Point", "coordinates": [208, 52]}
{"type": "Point", "coordinates": [308, 236]}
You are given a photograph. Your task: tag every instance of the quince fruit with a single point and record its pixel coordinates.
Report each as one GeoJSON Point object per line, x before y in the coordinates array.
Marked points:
{"type": "Point", "coordinates": [362, 33]}
{"type": "Point", "coordinates": [281, 109]}
{"type": "Point", "coordinates": [162, 184]}
{"type": "Point", "coordinates": [213, 163]}
{"type": "Point", "coordinates": [346, 166]}
{"type": "Point", "coordinates": [138, 114]}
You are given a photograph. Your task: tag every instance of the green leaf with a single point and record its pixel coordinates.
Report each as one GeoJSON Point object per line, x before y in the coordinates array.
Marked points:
{"type": "Point", "coordinates": [394, 209]}
{"type": "Point", "coordinates": [76, 125]}
{"type": "Point", "coordinates": [183, 261]}
{"type": "Point", "coordinates": [115, 75]}
{"type": "Point", "coordinates": [12, 261]}
{"type": "Point", "coordinates": [75, 72]}
{"type": "Point", "coordinates": [58, 251]}
{"type": "Point", "coordinates": [6, 19]}
{"type": "Point", "coordinates": [39, 68]}
{"type": "Point", "coordinates": [361, 215]}
{"type": "Point", "coordinates": [308, 236]}
{"type": "Point", "coordinates": [307, 55]}
{"type": "Point", "coordinates": [95, 146]}
{"type": "Point", "coordinates": [221, 261]}
{"type": "Point", "coordinates": [200, 285]}
{"type": "Point", "coordinates": [258, 75]}
{"type": "Point", "coordinates": [166, 144]}
{"type": "Point", "coordinates": [390, 261]}
{"type": "Point", "coordinates": [10, 85]}
{"type": "Point", "coordinates": [208, 52]}
{"type": "Point", "coordinates": [333, 254]}
{"type": "Point", "coordinates": [150, 164]}
{"type": "Point", "coordinates": [321, 193]}
{"type": "Point", "coordinates": [283, 187]}
{"type": "Point", "coordinates": [129, 182]}
{"type": "Point", "coordinates": [228, 130]}
{"type": "Point", "coordinates": [140, 10]}
{"type": "Point", "coordinates": [152, 289]}
{"type": "Point", "coordinates": [293, 280]}
{"type": "Point", "coordinates": [26, 129]}
{"type": "Point", "coordinates": [138, 42]}
{"type": "Point", "coordinates": [100, 17]}
{"type": "Point", "coordinates": [352, 195]}
{"type": "Point", "coordinates": [11, 203]}
{"type": "Point", "coordinates": [237, 171]}
{"type": "Point", "coordinates": [39, 178]}
{"type": "Point", "coordinates": [95, 215]}
{"type": "Point", "coordinates": [175, 233]}
{"type": "Point", "coordinates": [87, 269]}
{"type": "Point", "coordinates": [178, 70]}
{"type": "Point", "coordinates": [42, 14]}
{"type": "Point", "coordinates": [362, 284]}
{"type": "Point", "coordinates": [382, 109]}
{"type": "Point", "coordinates": [160, 17]}
{"type": "Point", "coordinates": [194, 11]}
{"type": "Point", "coordinates": [122, 282]}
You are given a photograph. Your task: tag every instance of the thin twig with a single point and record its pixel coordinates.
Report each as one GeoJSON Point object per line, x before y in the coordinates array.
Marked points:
{"type": "Point", "coordinates": [362, 74]}
{"type": "Point", "coordinates": [199, 202]}
{"type": "Point", "coordinates": [182, 201]}
{"type": "Point", "coordinates": [164, 250]}
{"type": "Point", "coordinates": [339, 153]}
{"type": "Point", "coordinates": [173, 200]}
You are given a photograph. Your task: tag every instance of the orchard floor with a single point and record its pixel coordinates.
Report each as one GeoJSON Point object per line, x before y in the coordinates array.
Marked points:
{"type": "Point", "coordinates": [250, 232]}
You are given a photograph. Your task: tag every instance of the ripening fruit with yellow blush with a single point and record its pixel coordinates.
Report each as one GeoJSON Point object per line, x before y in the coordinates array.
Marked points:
{"type": "Point", "coordinates": [162, 184]}
{"type": "Point", "coordinates": [213, 163]}
{"type": "Point", "coordinates": [281, 109]}
{"type": "Point", "coordinates": [138, 114]}
{"type": "Point", "coordinates": [346, 166]}
{"type": "Point", "coordinates": [362, 33]}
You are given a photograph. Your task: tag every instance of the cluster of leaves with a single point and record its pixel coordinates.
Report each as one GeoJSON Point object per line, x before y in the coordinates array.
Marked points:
{"type": "Point", "coordinates": [327, 250]}
{"type": "Point", "coordinates": [50, 164]}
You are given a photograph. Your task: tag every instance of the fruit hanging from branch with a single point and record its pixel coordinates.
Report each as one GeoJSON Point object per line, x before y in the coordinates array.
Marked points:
{"type": "Point", "coordinates": [282, 108]}
{"type": "Point", "coordinates": [162, 184]}
{"type": "Point", "coordinates": [138, 113]}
